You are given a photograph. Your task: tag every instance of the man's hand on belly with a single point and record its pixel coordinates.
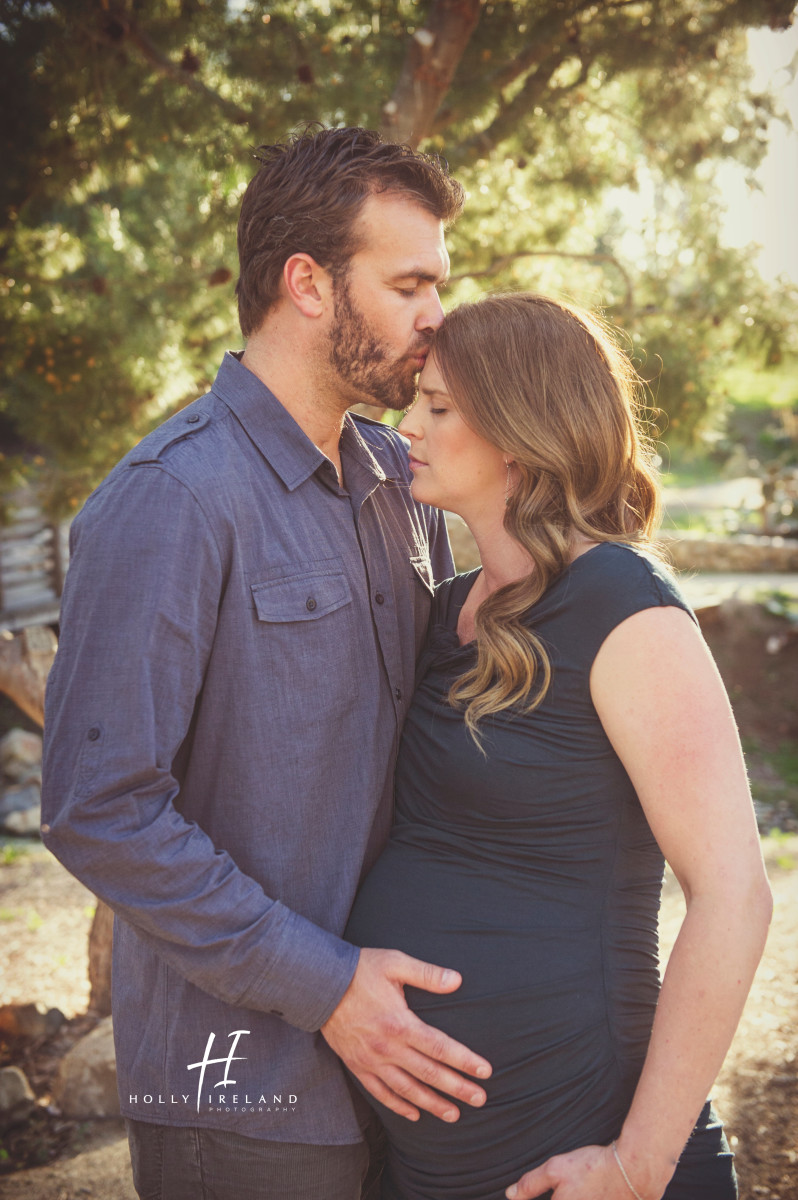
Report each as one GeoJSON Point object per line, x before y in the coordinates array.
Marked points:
{"type": "Point", "coordinates": [397, 1057]}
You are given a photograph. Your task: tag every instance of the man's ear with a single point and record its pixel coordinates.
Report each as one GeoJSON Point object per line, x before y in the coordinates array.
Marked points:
{"type": "Point", "coordinates": [308, 285]}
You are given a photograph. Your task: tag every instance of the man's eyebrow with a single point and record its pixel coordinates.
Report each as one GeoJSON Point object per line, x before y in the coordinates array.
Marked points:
{"type": "Point", "coordinates": [424, 276]}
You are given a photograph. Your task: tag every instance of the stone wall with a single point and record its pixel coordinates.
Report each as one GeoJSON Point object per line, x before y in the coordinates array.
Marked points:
{"type": "Point", "coordinates": [740, 553]}
{"type": "Point", "coordinates": [745, 553]}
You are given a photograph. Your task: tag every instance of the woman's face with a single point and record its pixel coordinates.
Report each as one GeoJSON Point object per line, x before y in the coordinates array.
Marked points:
{"type": "Point", "coordinates": [453, 467]}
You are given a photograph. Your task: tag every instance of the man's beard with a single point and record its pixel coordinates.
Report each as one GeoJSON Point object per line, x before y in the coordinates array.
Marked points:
{"type": "Point", "coordinates": [363, 363]}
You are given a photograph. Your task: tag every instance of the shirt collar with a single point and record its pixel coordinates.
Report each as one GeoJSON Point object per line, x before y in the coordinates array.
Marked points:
{"type": "Point", "coordinates": [270, 426]}
{"type": "Point", "coordinates": [274, 431]}
{"type": "Point", "coordinates": [353, 443]}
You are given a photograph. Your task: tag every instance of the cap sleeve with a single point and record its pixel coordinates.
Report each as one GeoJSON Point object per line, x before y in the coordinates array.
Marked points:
{"type": "Point", "coordinates": [604, 587]}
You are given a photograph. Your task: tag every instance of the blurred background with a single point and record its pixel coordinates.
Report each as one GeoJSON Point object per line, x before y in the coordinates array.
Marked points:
{"type": "Point", "coordinates": [635, 156]}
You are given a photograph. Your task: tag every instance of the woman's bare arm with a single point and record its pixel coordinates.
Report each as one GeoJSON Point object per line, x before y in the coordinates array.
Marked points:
{"type": "Point", "coordinates": [665, 710]}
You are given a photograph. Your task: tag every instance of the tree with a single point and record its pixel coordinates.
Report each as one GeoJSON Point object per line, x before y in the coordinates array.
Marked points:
{"type": "Point", "coordinates": [129, 151]}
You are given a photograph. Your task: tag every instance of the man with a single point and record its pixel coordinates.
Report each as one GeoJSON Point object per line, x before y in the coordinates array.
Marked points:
{"type": "Point", "coordinates": [248, 590]}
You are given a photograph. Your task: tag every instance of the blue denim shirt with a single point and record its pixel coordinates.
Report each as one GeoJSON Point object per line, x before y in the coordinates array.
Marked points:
{"type": "Point", "coordinates": [237, 652]}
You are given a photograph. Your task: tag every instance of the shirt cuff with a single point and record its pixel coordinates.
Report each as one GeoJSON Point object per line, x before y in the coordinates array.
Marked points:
{"type": "Point", "coordinates": [307, 975]}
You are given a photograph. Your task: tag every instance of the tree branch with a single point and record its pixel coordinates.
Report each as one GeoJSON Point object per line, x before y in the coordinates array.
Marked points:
{"type": "Point", "coordinates": [502, 77]}
{"type": "Point", "coordinates": [125, 29]}
{"type": "Point", "coordinates": [550, 43]}
{"type": "Point", "coordinates": [433, 56]}
{"type": "Point", "coordinates": [499, 264]}
{"type": "Point", "coordinates": [505, 123]}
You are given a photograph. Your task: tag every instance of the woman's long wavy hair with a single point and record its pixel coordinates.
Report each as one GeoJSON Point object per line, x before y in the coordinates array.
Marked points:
{"type": "Point", "coordinates": [548, 385]}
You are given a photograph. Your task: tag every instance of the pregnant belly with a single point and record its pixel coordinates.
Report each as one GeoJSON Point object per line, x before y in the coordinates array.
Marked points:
{"type": "Point", "coordinates": [532, 1002]}
{"type": "Point", "coordinates": [531, 966]}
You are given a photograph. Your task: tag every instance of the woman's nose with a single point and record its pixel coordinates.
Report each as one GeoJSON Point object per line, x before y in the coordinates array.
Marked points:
{"type": "Point", "coordinates": [409, 425]}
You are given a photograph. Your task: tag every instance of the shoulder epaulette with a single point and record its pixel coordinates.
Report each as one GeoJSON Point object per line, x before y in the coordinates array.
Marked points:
{"type": "Point", "coordinates": [177, 429]}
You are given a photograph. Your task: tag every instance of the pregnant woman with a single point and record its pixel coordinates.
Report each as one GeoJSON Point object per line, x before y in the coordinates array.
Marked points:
{"type": "Point", "coordinates": [568, 731]}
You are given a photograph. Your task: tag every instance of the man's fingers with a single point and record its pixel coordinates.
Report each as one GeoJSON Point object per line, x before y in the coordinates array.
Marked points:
{"type": "Point", "coordinates": [373, 1084]}
{"type": "Point", "coordinates": [438, 1046]}
{"type": "Point", "coordinates": [406, 1087]}
{"type": "Point", "coordinates": [431, 1073]}
{"type": "Point", "coordinates": [396, 1056]}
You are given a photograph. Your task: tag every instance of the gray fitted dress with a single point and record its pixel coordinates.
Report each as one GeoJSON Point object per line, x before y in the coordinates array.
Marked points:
{"type": "Point", "coordinates": [532, 870]}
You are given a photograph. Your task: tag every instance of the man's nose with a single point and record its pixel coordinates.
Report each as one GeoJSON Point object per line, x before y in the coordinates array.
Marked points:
{"type": "Point", "coordinates": [431, 316]}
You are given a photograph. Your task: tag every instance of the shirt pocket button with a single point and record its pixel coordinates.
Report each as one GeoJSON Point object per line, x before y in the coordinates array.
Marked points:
{"type": "Point", "coordinates": [310, 604]}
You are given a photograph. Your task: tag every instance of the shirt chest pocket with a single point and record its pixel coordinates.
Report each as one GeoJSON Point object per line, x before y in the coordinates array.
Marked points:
{"type": "Point", "coordinates": [307, 641]}
{"type": "Point", "coordinates": [305, 596]}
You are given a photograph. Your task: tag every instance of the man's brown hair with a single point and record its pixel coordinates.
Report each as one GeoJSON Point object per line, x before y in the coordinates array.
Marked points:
{"type": "Point", "coordinates": [307, 196]}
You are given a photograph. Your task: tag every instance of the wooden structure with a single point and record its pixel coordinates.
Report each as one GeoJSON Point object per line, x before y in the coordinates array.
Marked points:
{"type": "Point", "coordinates": [34, 552]}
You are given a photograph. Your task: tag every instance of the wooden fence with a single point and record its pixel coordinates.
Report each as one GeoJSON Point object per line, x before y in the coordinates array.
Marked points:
{"type": "Point", "coordinates": [34, 553]}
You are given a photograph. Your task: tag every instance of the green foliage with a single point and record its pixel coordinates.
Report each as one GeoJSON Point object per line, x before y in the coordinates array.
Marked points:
{"type": "Point", "coordinates": [10, 853]}
{"type": "Point", "coordinates": [747, 385]}
{"type": "Point", "coordinates": [34, 920]}
{"type": "Point", "coordinates": [782, 604]}
{"type": "Point", "coordinates": [786, 762]}
{"type": "Point", "coordinates": [128, 146]}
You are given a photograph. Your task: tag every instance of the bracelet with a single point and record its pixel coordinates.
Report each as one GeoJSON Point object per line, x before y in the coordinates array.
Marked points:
{"type": "Point", "coordinates": [627, 1180]}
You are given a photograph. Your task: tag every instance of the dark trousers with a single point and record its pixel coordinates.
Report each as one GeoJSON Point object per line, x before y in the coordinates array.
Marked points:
{"type": "Point", "coordinates": [172, 1163]}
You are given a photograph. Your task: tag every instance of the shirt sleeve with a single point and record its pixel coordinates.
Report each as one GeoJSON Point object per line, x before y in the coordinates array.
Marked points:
{"type": "Point", "coordinates": [138, 621]}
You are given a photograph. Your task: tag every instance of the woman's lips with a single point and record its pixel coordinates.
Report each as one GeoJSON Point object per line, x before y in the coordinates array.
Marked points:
{"type": "Point", "coordinates": [416, 462]}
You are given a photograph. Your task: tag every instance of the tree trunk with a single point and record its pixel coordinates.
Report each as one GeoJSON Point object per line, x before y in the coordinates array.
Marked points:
{"type": "Point", "coordinates": [433, 56]}
{"type": "Point", "coordinates": [25, 661]}
{"type": "Point", "coordinates": [100, 947]}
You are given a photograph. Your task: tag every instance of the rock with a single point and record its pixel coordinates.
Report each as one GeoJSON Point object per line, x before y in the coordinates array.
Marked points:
{"type": "Point", "coordinates": [24, 824]}
{"type": "Point", "coordinates": [21, 809]}
{"type": "Point", "coordinates": [28, 1021]}
{"type": "Point", "coordinates": [20, 754]}
{"type": "Point", "coordinates": [17, 799]}
{"type": "Point", "coordinates": [17, 1101]}
{"type": "Point", "coordinates": [86, 1082]}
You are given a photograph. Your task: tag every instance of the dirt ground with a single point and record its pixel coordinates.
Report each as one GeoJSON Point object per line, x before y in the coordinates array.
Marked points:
{"type": "Point", "coordinates": [45, 917]}
{"type": "Point", "coordinates": [45, 931]}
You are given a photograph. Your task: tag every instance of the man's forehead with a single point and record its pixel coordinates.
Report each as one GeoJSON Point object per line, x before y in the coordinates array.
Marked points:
{"type": "Point", "coordinates": [394, 224]}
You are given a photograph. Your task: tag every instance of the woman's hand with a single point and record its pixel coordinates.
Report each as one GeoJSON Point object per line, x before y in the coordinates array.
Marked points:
{"type": "Point", "coordinates": [590, 1173]}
